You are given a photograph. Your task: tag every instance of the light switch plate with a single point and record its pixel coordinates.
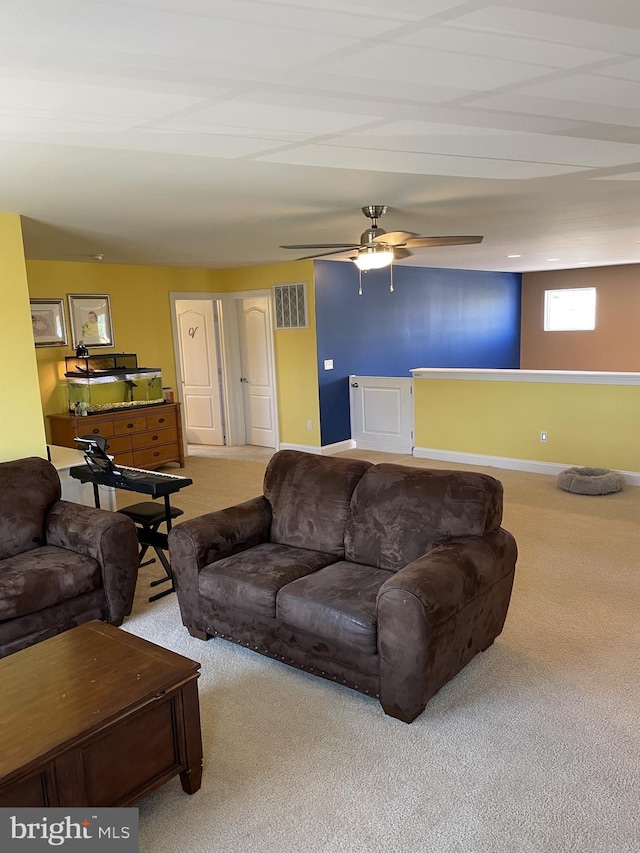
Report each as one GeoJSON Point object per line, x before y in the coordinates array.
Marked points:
{"type": "Point", "coordinates": [328, 364]}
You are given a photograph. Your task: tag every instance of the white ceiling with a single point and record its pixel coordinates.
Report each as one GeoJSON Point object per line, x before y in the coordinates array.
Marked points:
{"type": "Point", "coordinates": [208, 132]}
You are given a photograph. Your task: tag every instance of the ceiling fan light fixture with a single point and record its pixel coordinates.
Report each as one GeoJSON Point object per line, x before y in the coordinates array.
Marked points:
{"type": "Point", "coordinates": [373, 257]}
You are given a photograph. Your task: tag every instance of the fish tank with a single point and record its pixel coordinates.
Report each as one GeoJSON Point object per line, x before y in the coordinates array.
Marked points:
{"type": "Point", "coordinates": [108, 383]}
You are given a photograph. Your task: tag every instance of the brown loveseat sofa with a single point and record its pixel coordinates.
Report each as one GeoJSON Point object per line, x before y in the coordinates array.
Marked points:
{"type": "Point", "coordinates": [61, 563]}
{"type": "Point", "coordinates": [386, 578]}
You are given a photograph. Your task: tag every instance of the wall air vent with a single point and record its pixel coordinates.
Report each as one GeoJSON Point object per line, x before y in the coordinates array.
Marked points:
{"type": "Point", "coordinates": [290, 305]}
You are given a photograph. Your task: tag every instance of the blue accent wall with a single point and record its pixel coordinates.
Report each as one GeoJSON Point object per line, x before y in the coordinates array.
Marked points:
{"type": "Point", "coordinates": [434, 318]}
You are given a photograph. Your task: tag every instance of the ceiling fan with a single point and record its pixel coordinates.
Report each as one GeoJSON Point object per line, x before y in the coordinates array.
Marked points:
{"type": "Point", "coordinates": [379, 248]}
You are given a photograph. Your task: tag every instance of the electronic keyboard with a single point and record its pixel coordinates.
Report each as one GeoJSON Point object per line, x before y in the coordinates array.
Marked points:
{"type": "Point", "coordinates": [134, 479]}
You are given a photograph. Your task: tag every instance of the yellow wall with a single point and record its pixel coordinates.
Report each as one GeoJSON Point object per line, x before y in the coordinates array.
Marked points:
{"type": "Point", "coordinates": [589, 425]}
{"type": "Point", "coordinates": [21, 425]}
{"type": "Point", "coordinates": [141, 310]}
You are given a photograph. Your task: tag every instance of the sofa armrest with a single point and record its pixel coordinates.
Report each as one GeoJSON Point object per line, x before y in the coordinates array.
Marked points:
{"type": "Point", "coordinates": [107, 537]}
{"type": "Point", "coordinates": [444, 607]}
{"type": "Point", "coordinates": [196, 543]}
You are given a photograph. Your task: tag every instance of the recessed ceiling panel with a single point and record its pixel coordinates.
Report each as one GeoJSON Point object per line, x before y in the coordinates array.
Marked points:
{"type": "Point", "coordinates": [434, 138]}
{"type": "Point", "coordinates": [588, 89]}
{"type": "Point", "coordinates": [406, 63]}
{"type": "Point", "coordinates": [523, 104]}
{"type": "Point", "coordinates": [419, 164]}
{"type": "Point", "coordinates": [130, 29]}
{"type": "Point", "coordinates": [557, 28]}
{"type": "Point", "coordinates": [83, 100]}
{"type": "Point", "coordinates": [537, 51]}
{"type": "Point", "coordinates": [312, 17]}
{"type": "Point", "coordinates": [246, 114]}
{"type": "Point", "coordinates": [400, 10]}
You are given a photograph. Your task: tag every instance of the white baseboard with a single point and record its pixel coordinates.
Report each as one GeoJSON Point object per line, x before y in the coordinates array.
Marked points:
{"type": "Point", "coordinates": [338, 447]}
{"type": "Point", "coordinates": [326, 450]}
{"type": "Point", "coordinates": [305, 448]}
{"type": "Point", "coordinates": [385, 447]}
{"type": "Point", "coordinates": [632, 478]}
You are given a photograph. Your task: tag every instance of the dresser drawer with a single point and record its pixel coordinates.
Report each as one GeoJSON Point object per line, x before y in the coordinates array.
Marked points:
{"type": "Point", "coordinates": [161, 420]}
{"type": "Point", "coordinates": [153, 456]}
{"type": "Point", "coordinates": [127, 425]}
{"type": "Point", "coordinates": [87, 426]}
{"type": "Point", "coordinates": [150, 439]}
{"type": "Point", "coordinates": [119, 444]}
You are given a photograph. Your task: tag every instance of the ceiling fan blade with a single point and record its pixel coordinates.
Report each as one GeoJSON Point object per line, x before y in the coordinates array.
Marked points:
{"type": "Point", "coordinates": [401, 254]}
{"type": "Point", "coordinates": [323, 246]}
{"type": "Point", "coordinates": [395, 238]}
{"type": "Point", "coordinates": [324, 254]}
{"type": "Point", "coordinates": [425, 242]}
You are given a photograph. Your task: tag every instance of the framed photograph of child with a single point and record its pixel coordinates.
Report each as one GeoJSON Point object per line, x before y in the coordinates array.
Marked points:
{"type": "Point", "coordinates": [91, 319]}
{"type": "Point", "coordinates": [48, 321]}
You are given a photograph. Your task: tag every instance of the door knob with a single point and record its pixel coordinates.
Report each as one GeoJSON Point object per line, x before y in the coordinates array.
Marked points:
{"type": "Point", "coordinates": [242, 379]}
{"type": "Point", "coordinates": [354, 384]}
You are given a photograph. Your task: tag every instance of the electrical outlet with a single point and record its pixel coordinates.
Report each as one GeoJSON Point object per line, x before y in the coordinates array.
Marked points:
{"type": "Point", "coordinates": [309, 424]}
{"type": "Point", "coordinates": [544, 435]}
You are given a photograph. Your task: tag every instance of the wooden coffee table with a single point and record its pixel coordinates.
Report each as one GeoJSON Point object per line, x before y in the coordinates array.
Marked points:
{"type": "Point", "coordinates": [96, 717]}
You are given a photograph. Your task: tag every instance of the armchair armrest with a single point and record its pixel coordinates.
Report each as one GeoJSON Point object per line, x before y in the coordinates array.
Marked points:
{"type": "Point", "coordinates": [436, 613]}
{"type": "Point", "coordinates": [196, 543]}
{"type": "Point", "coordinates": [107, 537]}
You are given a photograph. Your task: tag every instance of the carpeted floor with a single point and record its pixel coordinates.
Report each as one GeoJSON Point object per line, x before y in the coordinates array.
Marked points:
{"type": "Point", "coordinates": [533, 748]}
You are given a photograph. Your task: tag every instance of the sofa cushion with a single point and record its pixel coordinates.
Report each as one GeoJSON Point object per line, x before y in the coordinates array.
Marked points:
{"type": "Point", "coordinates": [400, 512]}
{"type": "Point", "coordinates": [338, 602]}
{"type": "Point", "coordinates": [251, 579]}
{"type": "Point", "coordinates": [309, 496]}
{"type": "Point", "coordinates": [28, 487]}
{"type": "Point", "coordinates": [39, 578]}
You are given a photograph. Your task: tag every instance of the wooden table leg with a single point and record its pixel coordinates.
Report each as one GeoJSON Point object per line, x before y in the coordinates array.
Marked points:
{"type": "Point", "coordinates": [191, 778]}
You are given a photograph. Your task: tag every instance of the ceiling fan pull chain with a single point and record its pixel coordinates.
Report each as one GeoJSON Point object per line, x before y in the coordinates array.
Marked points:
{"type": "Point", "coordinates": [359, 282]}
{"type": "Point", "coordinates": [391, 277]}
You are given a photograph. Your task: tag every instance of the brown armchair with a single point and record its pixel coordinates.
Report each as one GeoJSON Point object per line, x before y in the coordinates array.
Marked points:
{"type": "Point", "coordinates": [61, 563]}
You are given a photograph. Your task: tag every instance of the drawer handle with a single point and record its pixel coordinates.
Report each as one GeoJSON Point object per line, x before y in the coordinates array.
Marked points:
{"type": "Point", "coordinates": [155, 437]}
{"type": "Point", "coordinates": [96, 430]}
{"type": "Point", "coordinates": [160, 420]}
{"type": "Point", "coordinates": [157, 453]}
{"type": "Point", "coordinates": [130, 426]}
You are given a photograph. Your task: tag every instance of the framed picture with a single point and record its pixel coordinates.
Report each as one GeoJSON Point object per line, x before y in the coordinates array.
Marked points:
{"type": "Point", "coordinates": [49, 325]}
{"type": "Point", "coordinates": [91, 319]}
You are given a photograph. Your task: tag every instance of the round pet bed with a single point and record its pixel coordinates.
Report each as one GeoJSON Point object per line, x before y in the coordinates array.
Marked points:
{"type": "Point", "coordinates": [590, 481]}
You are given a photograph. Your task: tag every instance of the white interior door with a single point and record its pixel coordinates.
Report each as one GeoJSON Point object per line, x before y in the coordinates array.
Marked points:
{"type": "Point", "coordinates": [256, 373]}
{"type": "Point", "coordinates": [201, 376]}
{"type": "Point", "coordinates": [382, 413]}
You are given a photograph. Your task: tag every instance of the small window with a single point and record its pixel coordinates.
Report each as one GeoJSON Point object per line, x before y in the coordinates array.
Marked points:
{"type": "Point", "coordinates": [291, 305]}
{"type": "Point", "coordinates": [570, 309]}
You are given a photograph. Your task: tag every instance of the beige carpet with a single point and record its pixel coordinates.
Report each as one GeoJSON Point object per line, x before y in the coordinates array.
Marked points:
{"type": "Point", "coordinates": [533, 748]}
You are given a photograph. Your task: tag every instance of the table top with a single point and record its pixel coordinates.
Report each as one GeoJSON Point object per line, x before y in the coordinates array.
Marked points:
{"type": "Point", "coordinates": [67, 687]}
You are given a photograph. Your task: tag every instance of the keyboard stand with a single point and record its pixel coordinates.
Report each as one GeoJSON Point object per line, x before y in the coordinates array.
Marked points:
{"type": "Point", "coordinates": [148, 517]}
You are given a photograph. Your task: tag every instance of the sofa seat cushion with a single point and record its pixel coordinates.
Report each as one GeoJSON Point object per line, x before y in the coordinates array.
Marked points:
{"type": "Point", "coordinates": [42, 577]}
{"type": "Point", "coordinates": [338, 602]}
{"type": "Point", "coordinates": [251, 579]}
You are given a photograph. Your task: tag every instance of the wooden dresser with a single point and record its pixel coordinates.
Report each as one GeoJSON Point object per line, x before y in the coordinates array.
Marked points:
{"type": "Point", "coordinates": [147, 437]}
